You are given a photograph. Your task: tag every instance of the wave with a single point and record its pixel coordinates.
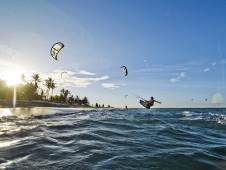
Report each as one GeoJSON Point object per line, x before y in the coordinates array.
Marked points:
{"type": "Point", "coordinates": [63, 138]}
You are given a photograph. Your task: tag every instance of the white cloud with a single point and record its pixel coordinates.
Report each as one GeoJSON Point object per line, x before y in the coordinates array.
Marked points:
{"type": "Point", "coordinates": [207, 69]}
{"type": "Point", "coordinates": [187, 67]}
{"type": "Point", "coordinates": [109, 85]}
{"type": "Point", "coordinates": [77, 72]}
{"type": "Point", "coordinates": [71, 80]}
{"type": "Point", "coordinates": [146, 62]}
{"type": "Point", "coordinates": [178, 78]}
{"type": "Point", "coordinates": [212, 66]}
{"type": "Point", "coordinates": [82, 82]}
{"type": "Point", "coordinates": [190, 66]}
{"type": "Point", "coordinates": [86, 73]}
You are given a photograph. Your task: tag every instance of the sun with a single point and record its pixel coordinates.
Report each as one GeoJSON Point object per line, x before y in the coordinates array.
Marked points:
{"type": "Point", "coordinates": [13, 76]}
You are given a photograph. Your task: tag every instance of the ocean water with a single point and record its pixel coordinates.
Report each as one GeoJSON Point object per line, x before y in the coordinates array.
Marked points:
{"type": "Point", "coordinates": [155, 139]}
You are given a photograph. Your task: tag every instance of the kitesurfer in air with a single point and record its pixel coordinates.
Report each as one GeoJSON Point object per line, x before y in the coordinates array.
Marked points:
{"type": "Point", "coordinates": [152, 101]}
{"type": "Point", "coordinates": [149, 103]}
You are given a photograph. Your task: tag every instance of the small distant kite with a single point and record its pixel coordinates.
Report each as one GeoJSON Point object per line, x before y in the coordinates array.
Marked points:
{"type": "Point", "coordinates": [124, 69]}
{"type": "Point", "coordinates": [64, 72]}
{"type": "Point", "coordinates": [126, 95]}
{"type": "Point", "coordinates": [56, 49]}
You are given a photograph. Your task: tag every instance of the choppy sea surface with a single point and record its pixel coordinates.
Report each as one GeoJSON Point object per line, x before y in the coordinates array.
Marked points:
{"type": "Point", "coordinates": [156, 139]}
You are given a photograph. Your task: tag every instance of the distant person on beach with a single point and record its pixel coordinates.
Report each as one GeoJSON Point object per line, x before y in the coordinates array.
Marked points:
{"type": "Point", "coordinates": [126, 107]}
{"type": "Point", "coordinates": [152, 101]}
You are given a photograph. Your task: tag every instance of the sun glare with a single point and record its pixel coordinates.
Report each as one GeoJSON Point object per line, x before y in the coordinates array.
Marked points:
{"type": "Point", "coordinates": [217, 98]}
{"type": "Point", "coordinates": [13, 76]}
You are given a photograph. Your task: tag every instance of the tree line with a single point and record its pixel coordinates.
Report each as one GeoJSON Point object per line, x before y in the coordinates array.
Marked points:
{"type": "Point", "coordinates": [31, 90]}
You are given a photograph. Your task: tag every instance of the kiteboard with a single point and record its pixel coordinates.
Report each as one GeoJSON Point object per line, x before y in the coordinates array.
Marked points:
{"type": "Point", "coordinates": [145, 104]}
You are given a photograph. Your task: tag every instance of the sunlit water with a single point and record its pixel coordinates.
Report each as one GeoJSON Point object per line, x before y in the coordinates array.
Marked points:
{"type": "Point", "coordinates": [158, 139]}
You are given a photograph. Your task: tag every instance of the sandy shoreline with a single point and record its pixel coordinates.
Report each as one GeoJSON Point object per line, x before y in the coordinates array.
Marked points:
{"type": "Point", "coordinates": [38, 103]}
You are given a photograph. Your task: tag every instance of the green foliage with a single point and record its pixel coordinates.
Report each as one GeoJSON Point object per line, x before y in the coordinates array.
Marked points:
{"type": "Point", "coordinates": [3, 89]}
{"type": "Point", "coordinates": [30, 90]}
{"type": "Point", "coordinates": [49, 83]}
{"type": "Point", "coordinates": [85, 101]}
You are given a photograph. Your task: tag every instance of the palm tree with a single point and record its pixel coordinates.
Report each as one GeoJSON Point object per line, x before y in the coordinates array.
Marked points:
{"type": "Point", "coordinates": [36, 80]}
{"type": "Point", "coordinates": [65, 93]}
{"type": "Point", "coordinates": [3, 89]}
{"type": "Point", "coordinates": [42, 94]}
{"type": "Point", "coordinates": [62, 92]}
{"type": "Point", "coordinates": [23, 78]}
{"type": "Point", "coordinates": [28, 92]}
{"type": "Point", "coordinates": [53, 86]}
{"type": "Point", "coordinates": [85, 101]}
{"type": "Point", "coordinates": [77, 99]}
{"type": "Point", "coordinates": [49, 83]}
{"type": "Point", "coordinates": [71, 99]}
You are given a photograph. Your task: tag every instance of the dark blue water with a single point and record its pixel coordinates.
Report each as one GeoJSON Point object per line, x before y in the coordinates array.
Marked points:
{"type": "Point", "coordinates": [158, 139]}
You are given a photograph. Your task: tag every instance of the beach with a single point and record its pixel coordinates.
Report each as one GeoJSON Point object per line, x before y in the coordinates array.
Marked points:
{"type": "Point", "coordinates": [37, 103]}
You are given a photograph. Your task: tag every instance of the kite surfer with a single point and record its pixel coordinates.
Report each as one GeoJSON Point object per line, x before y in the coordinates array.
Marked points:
{"type": "Point", "coordinates": [149, 103]}
{"type": "Point", "coordinates": [152, 101]}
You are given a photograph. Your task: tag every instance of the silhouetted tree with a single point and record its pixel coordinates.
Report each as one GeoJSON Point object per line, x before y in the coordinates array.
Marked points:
{"type": "Point", "coordinates": [29, 92]}
{"type": "Point", "coordinates": [65, 94]}
{"type": "Point", "coordinates": [23, 79]}
{"type": "Point", "coordinates": [71, 99]}
{"type": "Point", "coordinates": [85, 101]}
{"type": "Point", "coordinates": [77, 99]}
{"type": "Point", "coordinates": [36, 79]}
{"type": "Point", "coordinates": [3, 89]}
{"type": "Point", "coordinates": [49, 83]}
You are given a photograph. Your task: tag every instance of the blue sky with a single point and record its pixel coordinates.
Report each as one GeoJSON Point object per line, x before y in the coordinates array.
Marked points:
{"type": "Point", "coordinates": [174, 49]}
